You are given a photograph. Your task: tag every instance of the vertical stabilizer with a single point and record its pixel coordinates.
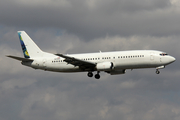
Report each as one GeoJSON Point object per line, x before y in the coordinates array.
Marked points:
{"type": "Point", "coordinates": [29, 48]}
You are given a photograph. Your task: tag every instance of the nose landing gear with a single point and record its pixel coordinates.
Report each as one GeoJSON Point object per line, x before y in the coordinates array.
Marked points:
{"type": "Point", "coordinates": [157, 71]}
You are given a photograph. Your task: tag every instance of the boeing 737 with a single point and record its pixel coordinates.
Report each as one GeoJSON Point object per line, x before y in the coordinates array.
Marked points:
{"type": "Point", "coordinates": [113, 63]}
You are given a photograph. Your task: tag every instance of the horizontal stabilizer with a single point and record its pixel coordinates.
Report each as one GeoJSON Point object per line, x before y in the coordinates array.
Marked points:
{"type": "Point", "coordinates": [21, 59]}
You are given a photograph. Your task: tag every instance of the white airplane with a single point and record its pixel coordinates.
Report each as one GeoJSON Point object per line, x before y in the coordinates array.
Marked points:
{"type": "Point", "coordinates": [110, 62]}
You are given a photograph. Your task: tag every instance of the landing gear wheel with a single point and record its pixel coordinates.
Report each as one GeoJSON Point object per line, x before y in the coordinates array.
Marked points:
{"type": "Point", "coordinates": [97, 76]}
{"type": "Point", "coordinates": [90, 74]}
{"type": "Point", "coordinates": [157, 71]}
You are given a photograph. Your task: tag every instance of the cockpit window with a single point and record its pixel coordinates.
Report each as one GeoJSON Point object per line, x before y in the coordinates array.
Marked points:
{"type": "Point", "coordinates": [163, 54]}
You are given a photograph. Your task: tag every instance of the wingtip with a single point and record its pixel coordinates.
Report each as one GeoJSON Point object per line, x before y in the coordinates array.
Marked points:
{"type": "Point", "coordinates": [8, 55]}
{"type": "Point", "coordinates": [58, 54]}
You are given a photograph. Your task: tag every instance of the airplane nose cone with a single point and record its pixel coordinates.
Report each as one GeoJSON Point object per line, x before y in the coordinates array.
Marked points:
{"type": "Point", "coordinates": [168, 60]}
{"type": "Point", "coordinates": [173, 59]}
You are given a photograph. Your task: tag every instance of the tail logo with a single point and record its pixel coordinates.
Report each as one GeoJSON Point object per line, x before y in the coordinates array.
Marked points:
{"type": "Point", "coordinates": [25, 52]}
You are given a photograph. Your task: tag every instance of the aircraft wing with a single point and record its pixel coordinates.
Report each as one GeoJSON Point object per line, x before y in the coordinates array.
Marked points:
{"type": "Point", "coordinates": [21, 59]}
{"type": "Point", "coordinates": [78, 62]}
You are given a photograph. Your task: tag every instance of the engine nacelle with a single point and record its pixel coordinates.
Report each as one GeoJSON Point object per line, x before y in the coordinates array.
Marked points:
{"type": "Point", "coordinates": [105, 66]}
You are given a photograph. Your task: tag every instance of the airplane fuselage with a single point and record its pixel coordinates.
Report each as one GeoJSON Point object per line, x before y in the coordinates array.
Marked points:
{"type": "Point", "coordinates": [120, 59]}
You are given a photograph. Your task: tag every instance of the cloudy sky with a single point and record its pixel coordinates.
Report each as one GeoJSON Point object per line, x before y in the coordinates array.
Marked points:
{"type": "Point", "coordinates": [79, 26]}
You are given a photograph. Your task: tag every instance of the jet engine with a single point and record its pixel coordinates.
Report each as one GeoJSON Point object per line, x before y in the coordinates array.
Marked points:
{"type": "Point", "coordinates": [105, 66]}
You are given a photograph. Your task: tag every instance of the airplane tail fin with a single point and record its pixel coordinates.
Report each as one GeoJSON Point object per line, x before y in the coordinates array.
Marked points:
{"type": "Point", "coordinates": [29, 48]}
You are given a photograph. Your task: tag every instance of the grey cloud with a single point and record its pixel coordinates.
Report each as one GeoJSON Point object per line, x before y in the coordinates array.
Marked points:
{"type": "Point", "coordinates": [115, 17]}
{"type": "Point", "coordinates": [28, 94]}
{"type": "Point", "coordinates": [96, 99]}
{"type": "Point", "coordinates": [141, 95]}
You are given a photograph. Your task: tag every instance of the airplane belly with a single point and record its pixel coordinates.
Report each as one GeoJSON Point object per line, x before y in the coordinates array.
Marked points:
{"type": "Point", "coordinates": [133, 64]}
{"type": "Point", "coordinates": [61, 67]}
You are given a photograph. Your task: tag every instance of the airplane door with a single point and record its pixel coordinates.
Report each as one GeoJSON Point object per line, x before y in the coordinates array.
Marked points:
{"type": "Point", "coordinates": [44, 62]}
{"type": "Point", "coordinates": [151, 57]}
{"type": "Point", "coordinates": [160, 59]}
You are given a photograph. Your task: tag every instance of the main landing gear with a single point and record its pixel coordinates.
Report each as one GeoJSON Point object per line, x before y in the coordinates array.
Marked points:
{"type": "Point", "coordinates": [90, 74]}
